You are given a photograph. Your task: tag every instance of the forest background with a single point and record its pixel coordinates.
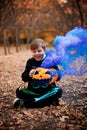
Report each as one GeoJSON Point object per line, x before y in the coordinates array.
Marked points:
{"type": "Point", "coordinates": [20, 22]}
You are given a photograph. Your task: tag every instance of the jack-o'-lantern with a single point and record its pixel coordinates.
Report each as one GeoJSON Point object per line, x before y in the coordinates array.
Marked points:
{"type": "Point", "coordinates": [45, 76]}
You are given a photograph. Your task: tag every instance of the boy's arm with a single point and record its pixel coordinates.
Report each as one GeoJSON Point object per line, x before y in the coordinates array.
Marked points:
{"type": "Point", "coordinates": [25, 75]}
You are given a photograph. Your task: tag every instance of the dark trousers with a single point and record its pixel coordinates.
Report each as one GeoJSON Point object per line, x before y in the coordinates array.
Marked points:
{"type": "Point", "coordinates": [32, 99]}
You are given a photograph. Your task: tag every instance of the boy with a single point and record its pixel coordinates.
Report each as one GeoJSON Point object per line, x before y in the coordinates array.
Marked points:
{"type": "Point", "coordinates": [26, 96]}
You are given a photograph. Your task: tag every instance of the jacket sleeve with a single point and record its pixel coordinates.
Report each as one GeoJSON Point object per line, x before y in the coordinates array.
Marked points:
{"type": "Point", "coordinates": [25, 74]}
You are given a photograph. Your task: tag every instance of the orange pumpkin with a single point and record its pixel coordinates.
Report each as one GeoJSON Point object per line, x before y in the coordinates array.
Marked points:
{"type": "Point", "coordinates": [45, 76]}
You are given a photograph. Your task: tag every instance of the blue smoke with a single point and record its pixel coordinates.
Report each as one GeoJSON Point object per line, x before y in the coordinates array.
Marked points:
{"type": "Point", "coordinates": [68, 51]}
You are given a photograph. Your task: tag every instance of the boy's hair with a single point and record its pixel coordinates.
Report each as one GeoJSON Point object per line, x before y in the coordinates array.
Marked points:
{"type": "Point", "coordinates": [36, 43]}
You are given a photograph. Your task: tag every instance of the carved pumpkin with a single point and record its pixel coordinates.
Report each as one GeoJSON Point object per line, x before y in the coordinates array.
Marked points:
{"type": "Point", "coordinates": [45, 76]}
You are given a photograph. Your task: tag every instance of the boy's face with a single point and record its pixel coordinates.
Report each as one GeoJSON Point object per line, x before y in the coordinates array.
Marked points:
{"type": "Point", "coordinates": [38, 53]}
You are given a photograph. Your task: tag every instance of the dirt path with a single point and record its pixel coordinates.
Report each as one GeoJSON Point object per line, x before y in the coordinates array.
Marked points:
{"type": "Point", "coordinates": [70, 115]}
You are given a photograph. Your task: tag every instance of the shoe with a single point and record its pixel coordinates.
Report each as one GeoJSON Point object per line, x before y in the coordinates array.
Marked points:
{"type": "Point", "coordinates": [18, 103]}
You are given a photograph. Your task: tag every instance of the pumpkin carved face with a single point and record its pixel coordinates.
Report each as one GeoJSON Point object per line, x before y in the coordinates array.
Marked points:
{"type": "Point", "coordinates": [45, 76]}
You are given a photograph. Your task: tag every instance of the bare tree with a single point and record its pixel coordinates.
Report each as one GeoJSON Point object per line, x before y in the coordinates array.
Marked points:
{"type": "Point", "coordinates": [80, 11]}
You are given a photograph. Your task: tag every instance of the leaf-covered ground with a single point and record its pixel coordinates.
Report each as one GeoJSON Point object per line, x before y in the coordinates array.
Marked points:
{"type": "Point", "coordinates": [70, 115]}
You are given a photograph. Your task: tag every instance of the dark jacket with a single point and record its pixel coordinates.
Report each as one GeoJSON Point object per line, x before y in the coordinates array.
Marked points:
{"type": "Point", "coordinates": [32, 64]}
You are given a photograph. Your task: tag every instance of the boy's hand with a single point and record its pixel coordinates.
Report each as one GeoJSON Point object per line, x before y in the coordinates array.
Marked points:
{"type": "Point", "coordinates": [32, 72]}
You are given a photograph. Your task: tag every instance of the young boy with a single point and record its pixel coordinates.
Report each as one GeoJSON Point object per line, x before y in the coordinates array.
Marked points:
{"type": "Point", "coordinates": [46, 94]}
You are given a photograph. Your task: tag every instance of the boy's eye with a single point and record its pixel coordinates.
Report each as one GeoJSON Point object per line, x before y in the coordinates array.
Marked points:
{"type": "Point", "coordinates": [33, 51]}
{"type": "Point", "coordinates": [39, 50]}
{"type": "Point", "coordinates": [36, 51]}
